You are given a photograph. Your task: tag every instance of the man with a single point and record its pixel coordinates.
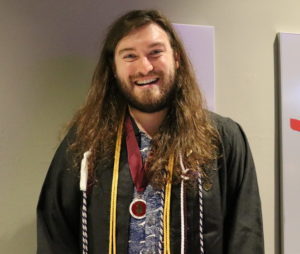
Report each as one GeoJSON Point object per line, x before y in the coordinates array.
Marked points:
{"type": "Point", "coordinates": [157, 172]}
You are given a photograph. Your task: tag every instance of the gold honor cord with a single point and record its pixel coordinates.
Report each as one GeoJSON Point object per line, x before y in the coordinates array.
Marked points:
{"type": "Point", "coordinates": [114, 191]}
{"type": "Point", "coordinates": [167, 206]}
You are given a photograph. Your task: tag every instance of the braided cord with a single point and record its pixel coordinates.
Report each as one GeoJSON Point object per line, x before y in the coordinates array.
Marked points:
{"type": "Point", "coordinates": [83, 188]}
{"type": "Point", "coordinates": [114, 191]}
{"type": "Point", "coordinates": [84, 223]}
{"type": "Point", "coordinates": [161, 222]}
{"type": "Point", "coordinates": [201, 215]}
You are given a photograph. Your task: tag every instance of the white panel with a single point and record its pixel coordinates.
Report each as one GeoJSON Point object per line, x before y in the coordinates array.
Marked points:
{"type": "Point", "coordinates": [290, 128]}
{"type": "Point", "coordinates": [199, 44]}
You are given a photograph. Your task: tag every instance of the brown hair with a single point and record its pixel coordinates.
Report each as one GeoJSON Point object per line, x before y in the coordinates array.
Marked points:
{"type": "Point", "coordinates": [186, 129]}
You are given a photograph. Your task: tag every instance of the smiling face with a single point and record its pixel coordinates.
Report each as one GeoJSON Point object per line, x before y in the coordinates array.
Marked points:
{"type": "Point", "coordinates": [145, 68]}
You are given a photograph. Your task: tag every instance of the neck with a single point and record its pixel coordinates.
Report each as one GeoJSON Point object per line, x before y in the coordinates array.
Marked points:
{"type": "Point", "coordinates": [148, 122]}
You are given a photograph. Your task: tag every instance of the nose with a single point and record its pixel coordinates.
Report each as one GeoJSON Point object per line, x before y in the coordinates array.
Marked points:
{"type": "Point", "coordinates": [144, 66]}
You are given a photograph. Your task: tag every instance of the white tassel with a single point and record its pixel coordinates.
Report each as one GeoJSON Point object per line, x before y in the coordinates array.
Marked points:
{"type": "Point", "coordinates": [84, 171]}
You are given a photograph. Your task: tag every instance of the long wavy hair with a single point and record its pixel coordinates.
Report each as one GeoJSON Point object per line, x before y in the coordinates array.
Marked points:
{"type": "Point", "coordinates": [187, 128]}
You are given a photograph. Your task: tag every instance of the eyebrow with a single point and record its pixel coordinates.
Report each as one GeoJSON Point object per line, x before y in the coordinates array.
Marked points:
{"type": "Point", "coordinates": [155, 44]}
{"type": "Point", "coordinates": [125, 49]}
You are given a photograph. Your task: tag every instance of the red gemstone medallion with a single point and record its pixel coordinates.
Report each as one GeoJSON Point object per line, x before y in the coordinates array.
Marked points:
{"type": "Point", "coordinates": [137, 208]}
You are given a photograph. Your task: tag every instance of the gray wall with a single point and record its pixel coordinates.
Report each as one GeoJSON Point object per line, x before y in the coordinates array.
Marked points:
{"type": "Point", "coordinates": [48, 51]}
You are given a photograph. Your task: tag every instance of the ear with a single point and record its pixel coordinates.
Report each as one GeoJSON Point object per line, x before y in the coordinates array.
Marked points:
{"type": "Point", "coordinates": [176, 58]}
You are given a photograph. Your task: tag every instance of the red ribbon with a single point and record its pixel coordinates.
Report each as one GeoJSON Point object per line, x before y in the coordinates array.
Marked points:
{"type": "Point", "coordinates": [135, 161]}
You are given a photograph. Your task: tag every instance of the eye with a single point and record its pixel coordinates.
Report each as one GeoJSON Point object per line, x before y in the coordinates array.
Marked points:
{"type": "Point", "coordinates": [156, 52]}
{"type": "Point", "coordinates": [129, 57]}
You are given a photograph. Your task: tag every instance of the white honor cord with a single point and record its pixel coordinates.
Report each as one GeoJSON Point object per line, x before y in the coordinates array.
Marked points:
{"type": "Point", "coordinates": [182, 217]}
{"type": "Point", "coordinates": [182, 203]}
{"type": "Point", "coordinates": [201, 215]}
{"type": "Point", "coordinates": [83, 188]}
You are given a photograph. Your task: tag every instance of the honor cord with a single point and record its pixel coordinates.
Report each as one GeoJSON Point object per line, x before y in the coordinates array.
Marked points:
{"type": "Point", "coordinates": [114, 191]}
{"type": "Point", "coordinates": [167, 206]}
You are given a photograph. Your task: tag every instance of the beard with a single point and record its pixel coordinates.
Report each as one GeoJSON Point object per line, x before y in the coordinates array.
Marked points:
{"type": "Point", "coordinates": [147, 101]}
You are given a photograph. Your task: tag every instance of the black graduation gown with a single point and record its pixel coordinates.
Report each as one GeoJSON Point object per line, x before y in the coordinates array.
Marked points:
{"type": "Point", "coordinates": [232, 209]}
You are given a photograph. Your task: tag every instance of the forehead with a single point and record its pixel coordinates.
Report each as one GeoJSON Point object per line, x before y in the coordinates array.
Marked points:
{"type": "Point", "coordinates": [144, 36]}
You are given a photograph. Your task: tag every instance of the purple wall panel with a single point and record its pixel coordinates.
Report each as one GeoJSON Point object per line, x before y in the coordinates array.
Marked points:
{"type": "Point", "coordinates": [199, 43]}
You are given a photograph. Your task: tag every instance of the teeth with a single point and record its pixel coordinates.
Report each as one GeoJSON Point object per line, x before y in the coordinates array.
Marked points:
{"type": "Point", "coordinates": [146, 81]}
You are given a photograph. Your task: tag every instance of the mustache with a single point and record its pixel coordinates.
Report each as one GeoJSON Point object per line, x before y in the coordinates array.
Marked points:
{"type": "Point", "coordinates": [151, 73]}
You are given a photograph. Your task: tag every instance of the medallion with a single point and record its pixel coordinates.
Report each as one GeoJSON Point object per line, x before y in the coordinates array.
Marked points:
{"type": "Point", "coordinates": [137, 208]}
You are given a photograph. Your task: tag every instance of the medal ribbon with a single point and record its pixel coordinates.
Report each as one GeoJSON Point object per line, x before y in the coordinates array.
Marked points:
{"type": "Point", "coordinates": [135, 161]}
